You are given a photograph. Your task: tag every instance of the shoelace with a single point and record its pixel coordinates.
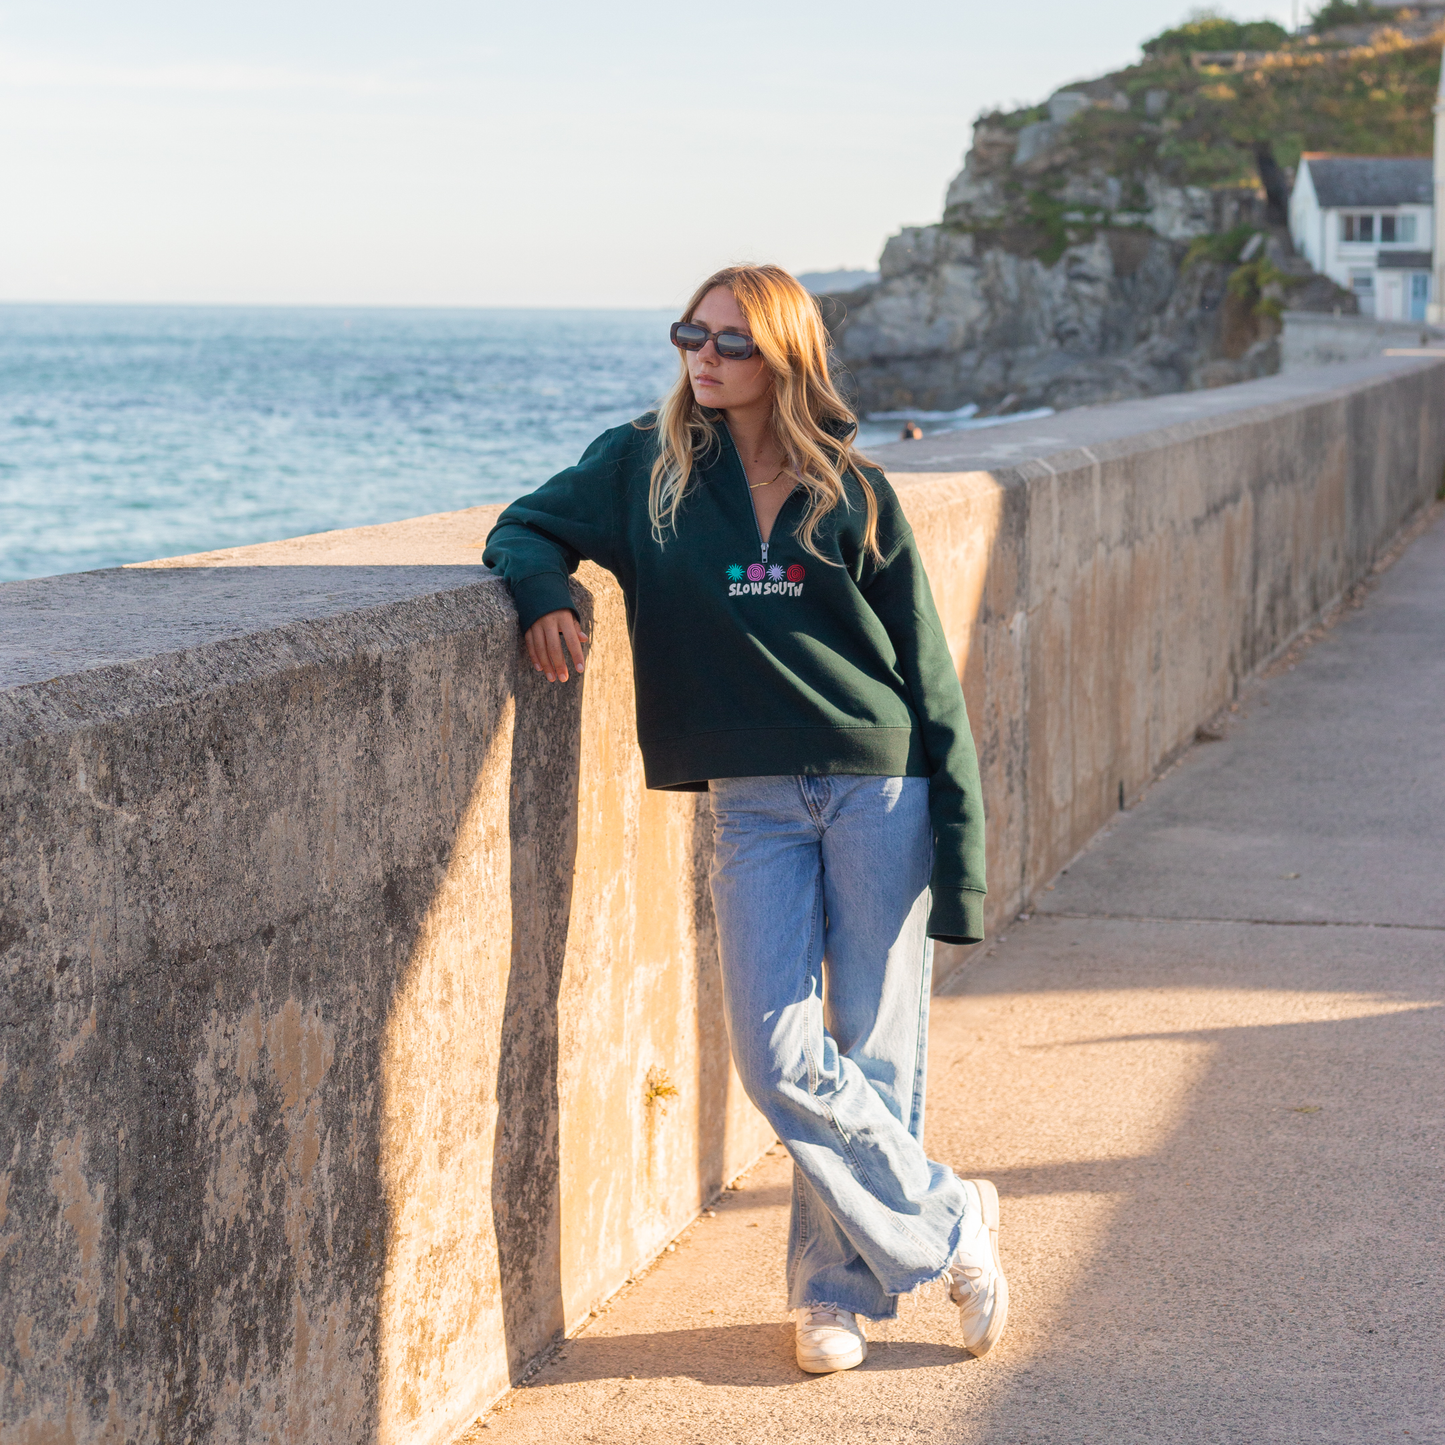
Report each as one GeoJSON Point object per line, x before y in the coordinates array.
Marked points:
{"type": "Point", "coordinates": [820, 1317]}
{"type": "Point", "coordinates": [965, 1279]}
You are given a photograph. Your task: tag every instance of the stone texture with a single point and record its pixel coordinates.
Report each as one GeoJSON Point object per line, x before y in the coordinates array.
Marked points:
{"type": "Point", "coordinates": [956, 318]}
{"type": "Point", "coordinates": [346, 962]}
{"type": "Point", "coordinates": [978, 309]}
{"type": "Point", "coordinates": [1064, 105]}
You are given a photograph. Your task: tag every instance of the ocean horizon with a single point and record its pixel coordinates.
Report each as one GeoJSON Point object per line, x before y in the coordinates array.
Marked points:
{"type": "Point", "coordinates": [131, 431]}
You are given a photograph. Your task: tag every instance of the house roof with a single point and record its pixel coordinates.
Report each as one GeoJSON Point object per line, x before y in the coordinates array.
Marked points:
{"type": "Point", "coordinates": [1405, 261]}
{"type": "Point", "coordinates": [1372, 180]}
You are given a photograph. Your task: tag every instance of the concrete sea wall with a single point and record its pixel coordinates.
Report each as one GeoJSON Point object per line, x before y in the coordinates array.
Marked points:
{"type": "Point", "coordinates": [1312, 338]}
{"type": "Point", "coordinates": [361, 1024]}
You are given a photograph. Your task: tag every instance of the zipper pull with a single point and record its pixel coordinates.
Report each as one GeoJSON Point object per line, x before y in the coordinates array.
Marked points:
{"type": "Point", "coordinates": [765, 551]}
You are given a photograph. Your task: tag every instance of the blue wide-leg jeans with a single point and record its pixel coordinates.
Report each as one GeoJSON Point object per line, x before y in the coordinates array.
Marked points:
{"type": "Point", "coordinates": [820, 885]}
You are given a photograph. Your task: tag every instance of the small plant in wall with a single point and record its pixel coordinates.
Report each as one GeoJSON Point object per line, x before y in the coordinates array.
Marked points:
{"type": "Point", "coordinates": [660, 1088]}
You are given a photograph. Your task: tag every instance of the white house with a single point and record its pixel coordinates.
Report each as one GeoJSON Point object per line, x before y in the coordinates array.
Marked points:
{"type": "Point", "coordinates": [1368, 223]}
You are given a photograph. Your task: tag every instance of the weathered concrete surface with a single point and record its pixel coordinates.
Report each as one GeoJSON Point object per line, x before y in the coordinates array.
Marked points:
{"type": "Point", "coordinates": [1110, 575]}
{"type": "Point", "coordinates": [1313, 338]}
{"type": "Point", "coordinates": [59, 626]}
{"type": "Point", "coordinates": [1330, 809]}
{"type": "Point", "coordinates": [1218, 1142]}
{"type": "Point", "coordinates": [346, 963]}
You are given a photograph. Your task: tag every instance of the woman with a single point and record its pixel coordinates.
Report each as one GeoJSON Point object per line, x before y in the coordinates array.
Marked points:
{"type": "Point", "coordinates": [789, 660]}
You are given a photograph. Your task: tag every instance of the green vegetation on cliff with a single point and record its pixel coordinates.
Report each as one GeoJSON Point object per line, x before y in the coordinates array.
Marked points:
{"type": "Point", "coordinates": [1373, 99]}
{"type": "Point", "coordinates": [1176, 120]}
{"type": "Point", "coordinates": [1215, 32]}
{"type": "Point", "coordinates": [1348, 12]}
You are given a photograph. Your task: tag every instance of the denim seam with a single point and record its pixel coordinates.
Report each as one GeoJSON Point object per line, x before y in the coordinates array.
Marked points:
{"type": "Point", "coordinates": [861, 1174]}
{"type": "Point", "coordinates": [800, 1240]}
{"type": "Point", "coordinates": [815, 1001]}
{"type": "Point", "coordinates": [804, 782]}
{"type": "Point", "coordinates": [814, 997]}
{"type": "Point", "coordinates": [920, 1052]}
{"type": "Point", "coordinates": [920, 1057]}
{"type": "Point", "coordinates": [863, 1177]}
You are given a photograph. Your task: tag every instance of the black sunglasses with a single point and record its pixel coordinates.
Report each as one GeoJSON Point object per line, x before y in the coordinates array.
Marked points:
{"type": "Point", "coordinates": [731, 345]}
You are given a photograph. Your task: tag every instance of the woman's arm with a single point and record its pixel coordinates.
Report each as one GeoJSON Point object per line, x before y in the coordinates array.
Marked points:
{"type": "Point", "coordinates": [899, 593]}
{"type": "Point", "coordinates": [539, 539]}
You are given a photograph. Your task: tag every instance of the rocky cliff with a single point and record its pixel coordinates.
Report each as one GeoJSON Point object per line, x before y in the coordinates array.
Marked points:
{"type": "Point", "coordinates": [1127, 238]}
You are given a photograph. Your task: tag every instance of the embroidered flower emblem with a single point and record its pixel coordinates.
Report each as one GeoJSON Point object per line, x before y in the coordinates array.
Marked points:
{"type": "Point", "coordinates": [756, 572]}
{"type": "Point", "coordinates": [735, 573]}
{"type": "Point", "coordinates": [796, 573]}
{"type": "Point", "coordinates": [775, 573]}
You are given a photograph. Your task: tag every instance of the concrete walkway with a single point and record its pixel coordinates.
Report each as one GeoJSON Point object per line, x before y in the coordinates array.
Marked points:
{"type": "Point", "coordinates": [1208, 1076]}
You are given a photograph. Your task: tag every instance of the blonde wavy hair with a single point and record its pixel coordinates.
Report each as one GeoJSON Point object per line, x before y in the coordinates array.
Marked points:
{"type": "Point", "coordinates": [788, 328]}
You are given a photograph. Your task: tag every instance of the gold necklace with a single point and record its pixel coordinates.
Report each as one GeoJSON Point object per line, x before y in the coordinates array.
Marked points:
{"type": "Point", "coordinates": [753, 486]}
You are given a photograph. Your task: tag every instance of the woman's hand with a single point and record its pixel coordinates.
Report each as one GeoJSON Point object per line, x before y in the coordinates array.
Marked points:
{"type": "Point", "coordinates": [550, 638]}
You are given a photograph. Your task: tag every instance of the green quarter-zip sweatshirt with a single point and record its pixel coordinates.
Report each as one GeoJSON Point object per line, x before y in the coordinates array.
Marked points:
{"type": "Point", "coordinates": [755, 659]}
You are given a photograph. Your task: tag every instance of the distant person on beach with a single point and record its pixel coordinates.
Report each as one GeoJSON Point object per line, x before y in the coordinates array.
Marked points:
{"type": "Point", "coordinates": [789, 661]}
{"type": "Point", "coordinates": [911, 432]}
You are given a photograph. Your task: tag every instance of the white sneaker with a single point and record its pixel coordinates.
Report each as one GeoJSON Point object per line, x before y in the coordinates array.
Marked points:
{"type": "Point", "coordinates": [829, 1339]}
{"type": "Point", "coordinates": [975, 1278]}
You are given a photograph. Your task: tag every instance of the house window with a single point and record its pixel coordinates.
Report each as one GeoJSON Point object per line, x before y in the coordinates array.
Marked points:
{"type": "Point", "coordinates": [1367, 228]}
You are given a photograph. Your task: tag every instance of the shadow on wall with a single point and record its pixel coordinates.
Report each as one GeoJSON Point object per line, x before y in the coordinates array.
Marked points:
{"type": "Point", "coordinates": [526, 1179]}
{"type": "Point", "coordinates": [470, 1149]}
{"type": "Point", "coordinates": [714, 1052]}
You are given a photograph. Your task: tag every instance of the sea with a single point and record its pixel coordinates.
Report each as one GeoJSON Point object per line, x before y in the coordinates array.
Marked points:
{"type": "Point", "coordinates": [129, 433]}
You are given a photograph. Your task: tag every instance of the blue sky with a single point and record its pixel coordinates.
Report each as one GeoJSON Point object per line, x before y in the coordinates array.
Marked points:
{"type": "Point", "coordinates": [542, 154]}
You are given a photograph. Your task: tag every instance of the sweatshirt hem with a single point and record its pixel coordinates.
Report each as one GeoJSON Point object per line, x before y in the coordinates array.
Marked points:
{"type": "Point", "coordinates": [686, 763]}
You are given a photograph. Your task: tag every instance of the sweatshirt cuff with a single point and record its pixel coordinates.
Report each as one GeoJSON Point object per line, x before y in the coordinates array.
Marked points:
{"type": "Point", "coordinates": [538, 595]}
{"type": "Point", "coordinates": [957, 916]}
